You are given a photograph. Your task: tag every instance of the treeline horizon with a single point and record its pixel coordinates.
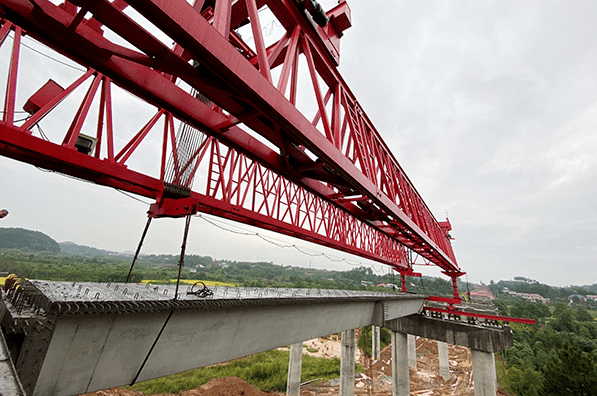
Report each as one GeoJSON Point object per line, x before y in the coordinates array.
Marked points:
{"type": "Point", "coordinates": [161, 267]}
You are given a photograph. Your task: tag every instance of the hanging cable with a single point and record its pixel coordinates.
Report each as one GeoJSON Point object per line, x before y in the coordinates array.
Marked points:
{"type": "Point", "coordinates": [182, 252]}
{"type": "Point", "coordinates": [128, 277]}
{"type": "Point", "coordinates": [423, 286]}
{"type": "Point", "coordinates": [152, 348]}
{"type": "Point", "coordinates": [48, 56]}
{"type": "Point", "coordinates": [282, 244]}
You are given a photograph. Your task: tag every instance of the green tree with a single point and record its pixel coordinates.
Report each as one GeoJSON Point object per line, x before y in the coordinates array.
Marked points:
{"type": "Point", "coordinates": [570, 372]}
{"type": "Point", "coordinates": [565, 319]}
{"type": "Point", "coordinates": [523, 382]}
{"type": "Point", "coordinates": [365, 340]}
{"type": "Point", "coordinates": [502, 306]}
{"type": "Point", "coordinates": [18, 238]}
{"type": "Point", "coordinates": [582, 315]}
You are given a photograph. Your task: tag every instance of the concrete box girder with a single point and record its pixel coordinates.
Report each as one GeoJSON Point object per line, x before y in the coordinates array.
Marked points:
{"type": "Point", "coordinates": [223, 335]}
{"type": "Point", "coordinates": [100, 344]}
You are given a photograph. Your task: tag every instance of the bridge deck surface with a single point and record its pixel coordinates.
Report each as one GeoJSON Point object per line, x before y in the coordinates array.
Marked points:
{"type": "Point", "coordinates": [94, 297]}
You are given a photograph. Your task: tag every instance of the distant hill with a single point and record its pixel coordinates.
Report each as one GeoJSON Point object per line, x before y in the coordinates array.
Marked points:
{"type": "Point", "coordinates": [17, 238]}
{"type": "Point", "coordinates": [81, 250]}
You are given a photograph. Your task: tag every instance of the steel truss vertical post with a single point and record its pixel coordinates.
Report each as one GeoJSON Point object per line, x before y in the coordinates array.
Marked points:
{"type": "Point", "coordinates": [11, 85]}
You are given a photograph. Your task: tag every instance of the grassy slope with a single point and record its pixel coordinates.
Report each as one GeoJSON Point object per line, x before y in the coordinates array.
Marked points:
{"type": "Point", "coordinates": [266, 371]}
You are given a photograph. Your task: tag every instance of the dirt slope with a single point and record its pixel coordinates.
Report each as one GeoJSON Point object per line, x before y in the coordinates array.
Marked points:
{"type": "Point", "coordinates": [424, 381]}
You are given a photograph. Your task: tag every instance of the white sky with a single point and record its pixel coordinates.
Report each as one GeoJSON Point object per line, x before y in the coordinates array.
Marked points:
{"type": "Point", "coordinates": [490, 107]}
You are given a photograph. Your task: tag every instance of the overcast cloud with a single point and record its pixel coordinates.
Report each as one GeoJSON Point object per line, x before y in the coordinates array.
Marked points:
{"type": "Point", "coordinates": [490, 107]}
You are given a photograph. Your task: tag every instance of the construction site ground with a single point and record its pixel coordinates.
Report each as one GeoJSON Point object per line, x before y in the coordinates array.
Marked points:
{"type": "Point", "coordinates": [425, 380]}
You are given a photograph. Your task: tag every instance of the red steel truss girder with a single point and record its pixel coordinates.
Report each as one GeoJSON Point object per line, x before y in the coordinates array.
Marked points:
{"type": "Point", "coordinates": [312, 218]}
{"type": "Point", "coordinates": [293, 210]}
{"type": "Point", "coordinates": [205, 44]}
{"type": "Point", "coordinates": [261, 193]}
{"type": "Point", "coordinates": [237, 80]}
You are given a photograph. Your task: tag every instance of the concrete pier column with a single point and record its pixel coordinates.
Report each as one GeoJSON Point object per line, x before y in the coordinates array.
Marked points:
{"type": "Point", "coordinates": [444, 361]}
{"type": "Point", "coordinates": [376, 342]}
{"type": "Point", "coordinates": [412, 351]}
{"type": "Point", "coordinates": [400, 384]}
{"type": "Point", "coordinates": [347, 363]}
{"type": "Point", "coordinates": [484, 376]}
{"type": "Point", "coordinates": [293, 384]}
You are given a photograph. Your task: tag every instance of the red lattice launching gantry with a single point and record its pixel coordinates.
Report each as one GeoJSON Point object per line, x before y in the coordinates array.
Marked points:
{"type": "Point", "coordinates": [267, 123]}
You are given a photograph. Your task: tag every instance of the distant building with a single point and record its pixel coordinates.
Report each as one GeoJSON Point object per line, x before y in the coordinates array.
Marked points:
{"type": "Point", "coordinates": [580, 297]}
{"type": "Point", "coordinates": [592, 297]}
{"type": "Point", "coordinates": [482, 294]}
{"type": "Point", "coordinates": [532, 297]}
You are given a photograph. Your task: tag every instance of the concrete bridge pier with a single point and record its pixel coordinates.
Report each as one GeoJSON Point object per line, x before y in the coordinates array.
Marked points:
{"type": "Point", "coordinates": [376, 342]}
{"type": "Point", "coordinates": [400, 384]}
{"type": "Point", "coordinates": [484, 375]}
{"type": "Point", "coordinates": [293, 384]}
{"type": "Point", "coordinates": [412, 351]}
{"type": "Point", "coordinates": [482, 340]}
{"type": "Point", "coordinates": [444, 361]}
{"type": "Point", "coordinates": [347, 363]}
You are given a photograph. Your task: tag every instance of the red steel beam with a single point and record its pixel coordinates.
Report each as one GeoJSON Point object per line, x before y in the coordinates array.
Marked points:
{"type": "Point", "coordinates": [482, 316]}
{"type": "Point", "coordinates": [329, 229]}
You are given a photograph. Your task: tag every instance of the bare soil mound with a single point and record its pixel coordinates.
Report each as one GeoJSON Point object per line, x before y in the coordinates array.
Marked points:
{"type": "Point", "coordinates": [229, 386]}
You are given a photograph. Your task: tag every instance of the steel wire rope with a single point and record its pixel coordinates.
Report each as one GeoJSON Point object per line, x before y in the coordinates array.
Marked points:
{"type": "Point", "coordinates": [282, 244]}
{"type": "Point", "coordinates": [423, 286]}
{"type": "Point", "coordinates": [269, 26]}
{"type": "Point", "coordinates": [42, 133]}
{"type": "Point", "coordinates": [303, 250]}
{"type": "Point", "coordinates": [66, 64]}
{"type": "Point", "coordinates": [46, 55]}
{"type": "Point", "coordinates": [90, 182]}
{"type": "Point", "coordinates": [380, 270]}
